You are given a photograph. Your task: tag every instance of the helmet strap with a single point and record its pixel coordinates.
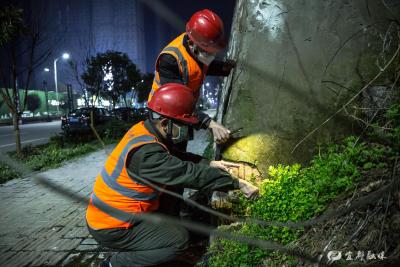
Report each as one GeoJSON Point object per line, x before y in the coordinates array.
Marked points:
{"type": "Point", "coordinates": [169, 130]}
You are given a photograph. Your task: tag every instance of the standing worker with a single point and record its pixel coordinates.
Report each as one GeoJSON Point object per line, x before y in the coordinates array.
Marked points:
{"type": "Point", "coordinates": [190, 57]}
{"type": "Point", "coordinates": [145, 154]}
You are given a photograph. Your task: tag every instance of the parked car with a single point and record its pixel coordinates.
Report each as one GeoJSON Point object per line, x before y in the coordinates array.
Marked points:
{"type": "Point", "coordinates": [79, 119]}
{"type": "Point", "coordinates": [125, 114]}
{"type": "Point", "coordinates": [142, 113]}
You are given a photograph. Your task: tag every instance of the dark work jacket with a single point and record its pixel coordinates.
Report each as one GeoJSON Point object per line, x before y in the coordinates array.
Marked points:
{"type": "Point", "coordinates": [152, 162]}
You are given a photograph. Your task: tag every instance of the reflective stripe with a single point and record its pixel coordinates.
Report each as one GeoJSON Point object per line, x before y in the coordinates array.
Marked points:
{"type": "Point", "coordinates": [183, 62]}
{"type": "Point", "coordinates": [136, 180]}
{"type": "Point", "coordinates": [121, 160]}
{"type": "Point", "coordinates": [133, 194]}
{"type": "Point", "coordinates": [158, 85]}
{"type": "Point", "coordinates": [111, 180]}
{"type": "Point", "coordinates": [116, 213]}
{"type": "Point", "coordinates": [152, 92]}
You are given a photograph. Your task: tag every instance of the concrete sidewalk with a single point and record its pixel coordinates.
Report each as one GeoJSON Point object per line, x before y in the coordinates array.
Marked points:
{"type": "Point", "coordinates": [38, 227]}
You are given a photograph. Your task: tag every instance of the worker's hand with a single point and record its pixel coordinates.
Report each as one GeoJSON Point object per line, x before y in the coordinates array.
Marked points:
{"type": "Point", "coordinates": [220, 133]}
{"type": "Point", "coordinates": [249, 190]}
{"type": "Point", "coordinates": [229, 64]}
{"type": "Point", "coordinates": [223, 165]}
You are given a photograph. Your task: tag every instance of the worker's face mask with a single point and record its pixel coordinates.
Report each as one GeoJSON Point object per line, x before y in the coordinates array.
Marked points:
{"type": "Point", "coordinates": [203, 56]}
{"type": "Point", "coordinates": [179, 133]}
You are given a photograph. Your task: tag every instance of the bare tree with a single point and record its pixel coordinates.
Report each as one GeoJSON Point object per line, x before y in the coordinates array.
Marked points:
{"type": "Point", "coordinates": [76, 74]}
{"type": "Point", "coordinates": [78, 65]}
{"type": "Point", "coordinates": [20, 37]}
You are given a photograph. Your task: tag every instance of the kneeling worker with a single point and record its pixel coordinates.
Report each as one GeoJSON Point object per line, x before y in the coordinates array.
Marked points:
{"type": "Point", "coordinates": [148, 152]}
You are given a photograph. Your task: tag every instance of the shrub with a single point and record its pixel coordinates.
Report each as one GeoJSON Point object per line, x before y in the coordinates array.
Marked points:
{"type": "Point", "coordinates": [114, 129]}
{"type": "Point", "coordinates": [50, 156]}
{"type": "Point", "coordinates": [110, 132]}
{"type": "Point", "coordinates": [293, 193]}
{"type": "Point", "coordinates": [63, 148]}
{"type": "Point", "coordinates": [7, 173]}
{"type": "Point", "coordinates": [58, 140]}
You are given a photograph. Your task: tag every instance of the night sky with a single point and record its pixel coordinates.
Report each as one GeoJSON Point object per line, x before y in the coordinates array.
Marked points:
{"type": "Point", "coordinates": [129, 26]}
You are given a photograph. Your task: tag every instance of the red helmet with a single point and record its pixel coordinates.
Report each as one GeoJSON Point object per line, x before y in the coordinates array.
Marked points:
{"type": "Point", "coordinates": [176, 101]}
{"type": "Point", "coordinates": [206, 29]}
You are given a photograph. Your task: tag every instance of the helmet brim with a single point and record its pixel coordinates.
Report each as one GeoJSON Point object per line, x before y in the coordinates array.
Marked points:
{"type": "Point", "coordinates": [189, 120]}
{"type": "Point", "coordinates": [214, 48]}
{"type": "Point", "coordinates": [192, 120]}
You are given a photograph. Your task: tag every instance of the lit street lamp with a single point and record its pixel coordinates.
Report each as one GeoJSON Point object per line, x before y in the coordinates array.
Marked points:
{"type": "Point", "coordinates": [64, 56]}
{"type": "Point", "coordinates": [46, 94]}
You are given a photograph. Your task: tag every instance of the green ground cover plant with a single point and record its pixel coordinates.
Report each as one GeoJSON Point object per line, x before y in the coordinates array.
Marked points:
{"type": "Point", "coordinates": [296, 193]}
{"type": "Point", "coordinates": [51, 155]}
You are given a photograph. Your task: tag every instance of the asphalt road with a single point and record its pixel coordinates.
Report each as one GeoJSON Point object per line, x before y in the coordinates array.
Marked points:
{"type": "Point", "coordinates": [34, 133]}
{"type": "Point", "coordinates": [39, 133]}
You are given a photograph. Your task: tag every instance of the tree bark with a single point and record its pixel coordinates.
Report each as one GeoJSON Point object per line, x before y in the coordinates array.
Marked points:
{"type": "Point", "coordinates": [17, 133]}
{"type": "Point", "coordinates": [16, 108]}
{"type": "Point", "coordinates": [126, 104]}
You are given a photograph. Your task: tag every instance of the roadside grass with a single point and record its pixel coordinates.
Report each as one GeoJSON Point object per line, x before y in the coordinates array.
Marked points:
{"type": "Point", "coordinates": [61, 149]}
{"type": "Point", "coordinates": [7, 173]}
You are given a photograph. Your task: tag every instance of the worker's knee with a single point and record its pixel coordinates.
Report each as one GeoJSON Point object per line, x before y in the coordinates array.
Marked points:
{"type": "Point", "coordinates": [181, 239]}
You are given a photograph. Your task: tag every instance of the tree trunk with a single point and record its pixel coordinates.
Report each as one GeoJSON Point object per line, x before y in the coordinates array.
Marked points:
{"type": "Point", "coordinates": [132, 98]}
{"type": "Point", "coordinates": [280, 105]}
{"type": "Point", "coordinates": [16, 110]}
{"type": "Point", "coordinates": [17, 133]}
{"type": "Point", "coordinates": [126, 104]}
{"type": "Point", "coordinates": [85, 98]}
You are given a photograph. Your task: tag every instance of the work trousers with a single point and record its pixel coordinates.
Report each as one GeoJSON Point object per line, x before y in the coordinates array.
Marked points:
{"type": "Point", "coordinates": [146, 244]}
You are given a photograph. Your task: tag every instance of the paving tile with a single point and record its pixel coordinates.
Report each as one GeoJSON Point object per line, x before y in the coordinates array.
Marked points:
{"type": "Point", "coordinates": [58, 244]}
{"type": "Point", "coordinates": [7, 255]}
{"type": "Point", "coordinates": [4, 248]}
{"type": "Point", "coordinates": [88, 248]}
{"type": "Point", "coordinates": [20, 259]}
{"type": "Point", "coordinates": [38, 227]}
{"type": "Point", "coordinates": [77, 232]}
{"type": "Point", "coordinates": [49, 258]}
{"type": "Point", "coordinates": [23, 243]}
{"type": "Point", "coordinates": [70, 259]}
{"type": "Point", "coordinates": [89, 241]}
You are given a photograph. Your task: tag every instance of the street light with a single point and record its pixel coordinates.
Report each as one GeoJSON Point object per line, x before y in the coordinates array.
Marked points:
{"type": "Point", "coordinates": [64, 56]}
{"type": "Point", "coordinates": [46, 94]}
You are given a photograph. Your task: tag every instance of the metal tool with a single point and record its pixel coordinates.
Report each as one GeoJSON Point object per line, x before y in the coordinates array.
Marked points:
{"type": "Point", "coordinates": [236, 131]}
{"type": "Point", "coordinates": [219, 147]}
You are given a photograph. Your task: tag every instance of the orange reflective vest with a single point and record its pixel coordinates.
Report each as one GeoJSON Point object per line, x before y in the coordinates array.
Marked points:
{"type": "Point", "coordinates": [115, 191]}
{"type": "Point", "coordinates": [192, 75]}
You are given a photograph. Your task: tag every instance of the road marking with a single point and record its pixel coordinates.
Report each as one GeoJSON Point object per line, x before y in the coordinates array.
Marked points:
{"type": "Point", "coordinates": [27, 141]}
